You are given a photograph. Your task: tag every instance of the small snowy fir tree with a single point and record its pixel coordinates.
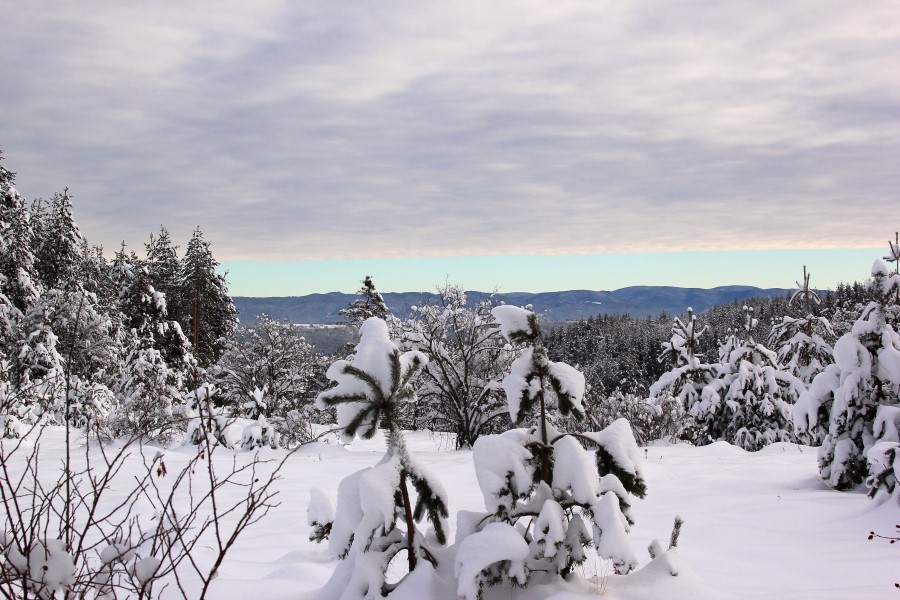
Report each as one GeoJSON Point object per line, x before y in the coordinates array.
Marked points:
{"type": "Point", "coordinates": [803, 343]}
{"type": "Point", "coordinates": [548, 498]}
{"type": "Point", "coordinates": [753, 394]}
{"type": "Point", "coordinates": [146, 395]}
{"type": "Point", "coordinates": [369, 304]}
{"type": "Point", "coordinates": [892, 310]}
{"type": "Point", "coordinates": [688, 374]}
{"type": "Point", "coordinates": [206, 422]}
{"type": "Point", "coordinates": [260, 432]}
{"type": "Point", "coordinates": [377, 511]}
{"type": "Point", "coordinates": [859, 393]}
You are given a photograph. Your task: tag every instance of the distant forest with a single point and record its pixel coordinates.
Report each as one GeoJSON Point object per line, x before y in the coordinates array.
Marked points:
{"type": "Point", "coordinates": [123, 345]}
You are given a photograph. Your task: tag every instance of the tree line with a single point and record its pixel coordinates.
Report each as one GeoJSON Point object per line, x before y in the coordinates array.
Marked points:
{"type": "Point", "coordinates": [151, 344]}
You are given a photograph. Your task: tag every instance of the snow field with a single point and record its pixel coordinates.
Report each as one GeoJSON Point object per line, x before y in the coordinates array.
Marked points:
{"type": "Point", "coordinates": [757, 525]}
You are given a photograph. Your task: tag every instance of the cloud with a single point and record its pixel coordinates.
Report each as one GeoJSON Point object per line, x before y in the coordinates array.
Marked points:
{"type": "Point", "coordinates": [343, 130]}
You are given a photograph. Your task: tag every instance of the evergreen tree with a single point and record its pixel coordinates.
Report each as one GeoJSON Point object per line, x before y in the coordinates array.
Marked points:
{"type": "Point", "coordinates": [369, 304]}
{"type": "Point", "coordinates": [38, 365]}
{"type": "Point", "coordinates": [688, 376]}
{"type": "Point", "coordinates": [753, 396]}
{"type": "Point", "coordinates": [206, 424]}
{"type": "Point", "coordinates": [802, 343]}
{"type": "Point", "coordinates": [543, 491]}
{"type": "Point", "coordinates": [18, 276]}
{"type": "Point", "coordinates": [860, 388]}
{"type": "Point", "coordinates": [158, 360]}
{"type": "Point", "coordinates": [163, 268]}
{"type": "Point", "coordinates": [145, 311]}
{"type": "Point", "coordinates": [211, 315]}
{"type": "Point", "coordinates": [149, 396]}
{"type": "Point", "coordinates": [94, 275]}
{"type": "Point", "coordinates": [88, 338]}
{"type": "Point", "coordinates": [376, 517]}
{"type": "Point", "coordinates": [59, 248]}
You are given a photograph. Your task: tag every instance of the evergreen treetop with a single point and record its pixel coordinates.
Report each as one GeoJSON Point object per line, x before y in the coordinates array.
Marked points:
{"type": "Point", "coordinates": [207, 314]}
{"type": "Point", "coordinates": [369, 304]}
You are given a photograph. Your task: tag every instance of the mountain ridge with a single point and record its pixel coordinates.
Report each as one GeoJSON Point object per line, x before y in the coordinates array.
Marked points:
{"type": "Point", "coordinates": [568, 305]}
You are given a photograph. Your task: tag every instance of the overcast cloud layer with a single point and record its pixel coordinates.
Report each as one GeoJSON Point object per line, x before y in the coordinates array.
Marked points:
{"type": "Point", "coordinates": [348, 129]}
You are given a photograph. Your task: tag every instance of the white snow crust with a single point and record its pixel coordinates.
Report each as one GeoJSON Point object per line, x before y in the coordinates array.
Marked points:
{"type": "Point", "coordinates": [571, 382]}
{"type": "Point", "coordinates": [515, 383]}
{"type": "Point", "coordinates": [574, 468]}
{"type": "Point", "coordinates": [496, 457]}
{"type": "Point", "coordinates": [725, 551]}
{"type": "Point", "coordinates": [496, 542]}
{"type": "Point", "coordinates": [512, 319]}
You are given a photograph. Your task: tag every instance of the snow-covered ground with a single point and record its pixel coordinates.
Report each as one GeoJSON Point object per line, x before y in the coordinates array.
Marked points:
{"type": "Point", "coordinates": [757, 525]}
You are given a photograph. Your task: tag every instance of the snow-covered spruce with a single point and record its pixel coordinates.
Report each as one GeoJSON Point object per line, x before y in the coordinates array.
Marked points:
{"type": "Point", "coordinates": [261, 432]}
{"type": "Point", "coordinates": [149, 393]}
{"type": "Point", "coordinates": [377, 511]}
{"type": "Point", "coordinates": [749, 404]}
{"type": "Point", "coordinates": [803, 343]}
{"type": "Point", "coordinates": [688, 375]}
{"type": "Point", "coordinates": [206, 424]}
{"type": "Point", "coordinates": [206, 312]}
{"type": "Point", "coordinates": [369, 304]}
{"type": "Point", "coordinates": [859, 389]}
{"type": "Point", "coordinates": [548, 498]}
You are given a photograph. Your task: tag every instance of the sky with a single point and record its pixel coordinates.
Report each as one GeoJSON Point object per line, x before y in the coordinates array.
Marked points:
{"type": "Point", "coordinates": [522, 146]}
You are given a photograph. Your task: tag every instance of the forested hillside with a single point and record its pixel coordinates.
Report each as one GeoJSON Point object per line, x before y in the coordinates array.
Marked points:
{"type": "Point", "coordinates": [554, 307]}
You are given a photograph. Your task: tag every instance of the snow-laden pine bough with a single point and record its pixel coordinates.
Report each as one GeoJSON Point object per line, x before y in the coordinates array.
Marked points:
{"type": "Point", "coordinates": [550, 496]}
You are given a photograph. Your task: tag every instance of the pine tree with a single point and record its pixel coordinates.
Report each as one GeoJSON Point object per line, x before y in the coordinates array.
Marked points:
{"type": "Point", "coordinates": [89, 339]}
{"type": "Point", "coordinates": [38, 364]}
{"type": "Point", "coordinates": [148, 396]}
{"type": "Point", "coordinates": [860, 388]}
{"type": "Point", "coordinates": [376, 517]}
{"type": "Point", "coordinates": [211, 315]}
{"type": "Point", "coordinates": [543, 491]}
{"type": "Point", "coordinates": [146, 312]}
{"type": "Point", "coordinates": [207, 424]}
{"type": "Point", "coordinates": [163, 267]}
{"type": "Point", "coordinates": [753, 395]}
{"type": "Point", "coordinates": [369, 304]}
{"type": "Point", "coordinates": [18, 277]}
{"type": "Point", "coordinates": [802, 343]}
{"type": "Point", "coordinates": [59, 248]}
{"type": "Point", "coordinates": [158, 359]}
{"type": "Point", "coordinates": [688, 376]}
{"type": "Point", "coordinates": [94, 275]}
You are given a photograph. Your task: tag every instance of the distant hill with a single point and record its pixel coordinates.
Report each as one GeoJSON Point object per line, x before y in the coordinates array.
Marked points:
{"type": "Point", "coordinates": [557, 307]}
